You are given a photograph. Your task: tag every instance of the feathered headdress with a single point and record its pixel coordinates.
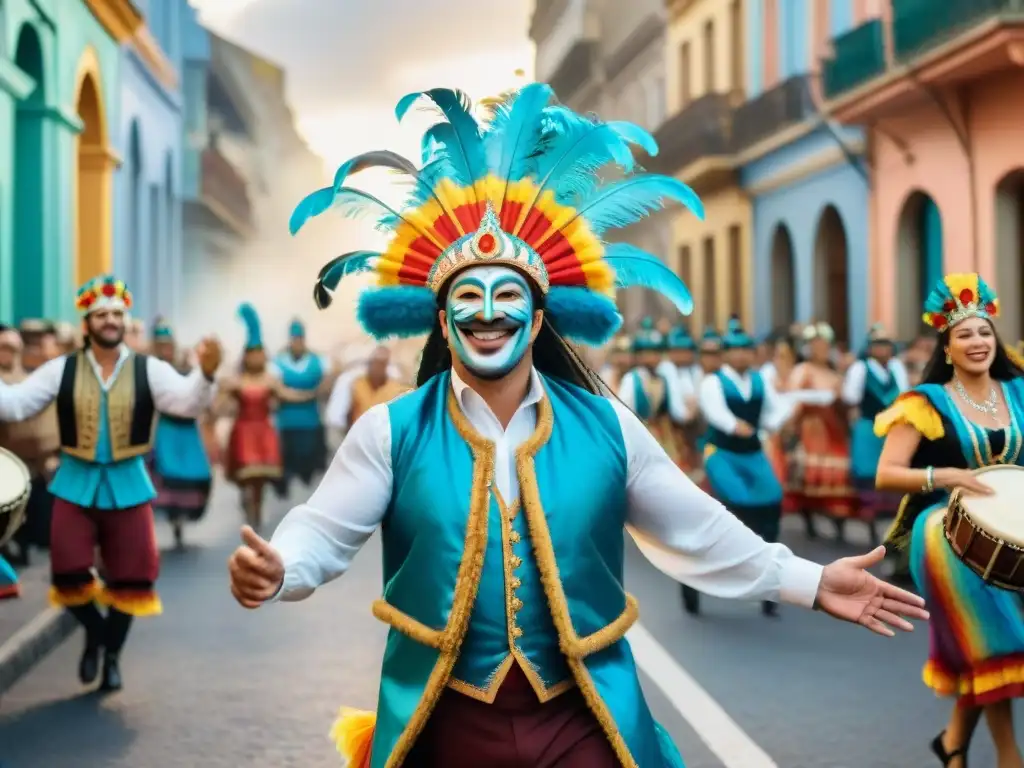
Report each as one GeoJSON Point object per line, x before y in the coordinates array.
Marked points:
{"type": "Point", "coordinates": [958, 297]}
{"type": "Point", "coordinates": [103, 292]}
{"type": "Point", "coordinates": [679, 338]}
{"type": "Point", "coordinates": [253, 332]}
{"type": "Point", "coordinates": [522, 189]}
{"type": "Point", "coordinates": [819, 331]}
{"type": "Point", "coordinates": [735, 337]}
{"type": "Point", "coordinates": [648, 338]}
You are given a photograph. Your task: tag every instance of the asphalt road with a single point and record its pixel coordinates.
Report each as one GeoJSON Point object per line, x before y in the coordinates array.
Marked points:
{"type": "Point", "coordinates": [209, 684]}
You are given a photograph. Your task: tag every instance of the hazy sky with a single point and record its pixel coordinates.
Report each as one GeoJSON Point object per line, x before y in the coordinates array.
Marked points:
{"type": "Point", "coordinates": [349, 61]}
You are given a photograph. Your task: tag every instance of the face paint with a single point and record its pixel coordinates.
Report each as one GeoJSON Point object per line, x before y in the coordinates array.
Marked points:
{"type": "Point", "coordinates": [490, 317]}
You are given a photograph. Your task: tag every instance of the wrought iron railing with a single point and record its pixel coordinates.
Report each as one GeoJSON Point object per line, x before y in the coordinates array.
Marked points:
{"type": "Point", "coordinates": [224, 186]}
{"type": "Point", "coordinates": [858, 56]}
{"type": "Point", "coordinates": [701, 129]}
{"type": "Point", "coordinates": [921, 25]}
{"type": "Point", "coordinates": [784, 105]}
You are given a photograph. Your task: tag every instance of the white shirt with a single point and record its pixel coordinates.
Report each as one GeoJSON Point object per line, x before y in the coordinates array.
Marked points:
{"type": "Point", "coordinates": [774, 412]}
{"type": "Point", "coordinates": [675, 403]}
{"type": "Point", "coordinates": [856, 377]}
{"type": "Point", "coordinates": [173, 394]}
{"type": "Point", "coordinates": [682, 531]}
{"type": "Point", "coordinates": [339, 404]}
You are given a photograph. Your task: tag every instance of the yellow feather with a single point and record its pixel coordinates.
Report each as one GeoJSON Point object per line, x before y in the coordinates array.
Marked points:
{"type": "Point", "coordinates": [957, 282]}
{"type": "Point", "coordinates": [352, 734]}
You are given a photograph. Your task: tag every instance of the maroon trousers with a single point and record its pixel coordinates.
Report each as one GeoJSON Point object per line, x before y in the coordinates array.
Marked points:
{"type": "Point", "coordinates": [516, 731]}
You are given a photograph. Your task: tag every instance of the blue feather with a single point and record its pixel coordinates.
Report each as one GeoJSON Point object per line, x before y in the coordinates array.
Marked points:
{"type": "Point", "coordinates": [397, 311]}
{"type": "Point", "coordinates": [333, 271]}
{"type": "Point", "coordinates": [582, 315]}
{"type": "Point", "coordinates": [311, 205]}
{"type": "Point", "coordinates": [253, 332]}
{"type": "Point", "coordinates": [625, 202]}
{"type": "Point", "coordinates": [514, 131]}
{"type": "Point", "coordinates": [466, 137]}
{"type": "Point", "coordinates": [636, 268]}
{"type": "Point", "coordinates": [376, 159]}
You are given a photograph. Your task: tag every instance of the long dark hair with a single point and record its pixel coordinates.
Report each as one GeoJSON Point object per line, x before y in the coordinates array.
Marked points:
{"type": "Point", "coordinates": [552, 355]}
{"type": "Point", "coordinates": [938, 371]}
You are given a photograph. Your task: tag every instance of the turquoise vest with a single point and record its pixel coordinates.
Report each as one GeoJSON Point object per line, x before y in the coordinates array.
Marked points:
{"type": "Point", "coordinates": [304, 374]}
{"type": "Point", "coordinates": [543, 585]}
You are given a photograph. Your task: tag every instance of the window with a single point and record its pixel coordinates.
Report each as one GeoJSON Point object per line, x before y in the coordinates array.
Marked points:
{"type": "Point", "coordinates": [736, 275]}
{"type": "Point", "coordinates": [710, 287]}
{"type": "Point", "coordinates": [709, 56]}
{"type": "Point", "coordinates": [684, 75]}
{"type": "Point", "coordinates": [738, 46]}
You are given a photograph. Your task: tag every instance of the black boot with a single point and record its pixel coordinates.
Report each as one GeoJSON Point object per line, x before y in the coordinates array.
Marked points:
{"type": "Point", "coordinates": [768, 608]}
{"type": "Point", "coordinates": [117, 627]}
{"type": "Point", "coordinates": [691, 600]}
{"type": "Point", "coordinates": [810, 529]}
{"type": "Point", "coordinates": [91, 619]}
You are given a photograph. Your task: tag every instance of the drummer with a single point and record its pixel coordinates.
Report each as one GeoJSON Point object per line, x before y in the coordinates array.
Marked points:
{"type": "Point", "coordinates": [959, 419]}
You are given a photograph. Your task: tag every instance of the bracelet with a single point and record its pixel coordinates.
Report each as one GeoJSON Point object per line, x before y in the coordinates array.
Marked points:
{"type": "Point", "coordinates": [929, 482]}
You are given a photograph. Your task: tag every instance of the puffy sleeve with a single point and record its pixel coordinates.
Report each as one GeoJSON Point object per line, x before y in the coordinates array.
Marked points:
{"type": "Point", "coordinates": [914, 409]}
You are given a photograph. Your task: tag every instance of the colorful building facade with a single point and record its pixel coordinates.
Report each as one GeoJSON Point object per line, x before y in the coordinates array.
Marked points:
{"type": "Point", "coordinates": [148, 188]}
{"type": "Point", "coordinates": [805, 175]}
{"type": "Point", "coordinates": [59, 111]}
{"type": "Point", "coordinates": [704, 77]}
{"type": "Point", "coordinates": [940, 86]}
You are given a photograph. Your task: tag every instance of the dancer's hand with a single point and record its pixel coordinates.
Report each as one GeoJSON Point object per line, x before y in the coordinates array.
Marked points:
{"type": "Point", "coordinates": [743, 429]}
{"type": "Point", "coordinates": [209, 354]}
{"type": "Point", "coordinates": [256, 569]}
{"type": "Point", "coordinates": [951, 477]}
{"type": "Point", "coordinates": [848, 592]}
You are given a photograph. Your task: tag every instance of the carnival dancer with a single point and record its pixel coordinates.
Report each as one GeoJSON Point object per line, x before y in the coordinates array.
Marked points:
{"type": "Point", "coordinates": [871, 385]}
{"type": "Point", "coordinates": [507, 639]}
{"type": "Point", "coordinates": [738, 405]}
{"type": "Point", "coordinates": [107, 397]}
{"type": "Point", "coordinates": [968, 413]}
{"type": "Point", "coordinates": [179, 465]}
{"type": "Point", "coordinates": [253, 456]}
{"type": "Point", "coordinates": [818, 466]}
{"type": "Point", "coordinates": [303, 440]}
{"type": "Point", "coordinates": [358, 390]}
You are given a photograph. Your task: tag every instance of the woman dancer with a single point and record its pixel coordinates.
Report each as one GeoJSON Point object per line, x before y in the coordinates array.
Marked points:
{"type": "Point", "coordinates": [968, 413]}
{"type": "Point", "coordinates": [179, 465]}
{"type": "Point", "coordinates": [818, 471]}
{"type": "Point", "coordinates": [253, 454]}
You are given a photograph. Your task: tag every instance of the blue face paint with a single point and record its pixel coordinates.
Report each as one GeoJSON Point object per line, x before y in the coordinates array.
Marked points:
{"type": "Point", "coordinates": [490, 319]}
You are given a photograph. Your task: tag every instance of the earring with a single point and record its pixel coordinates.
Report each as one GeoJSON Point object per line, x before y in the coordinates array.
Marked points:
{"type": "Point", "coordinates": [949, 360]}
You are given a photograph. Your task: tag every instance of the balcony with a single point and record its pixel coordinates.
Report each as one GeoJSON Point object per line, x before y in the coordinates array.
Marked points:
{"type": "Point", "coordinates": [919, 26]}
{"type": "Point", "coordinates": [574, 71]}
{"type": "Point", "coordinates": [559, 32]}
{"type": "Point", "coordinates": [787, 104]}
{"type": "Point", "coordinates": [858, 56]}
{"type": "Point", "coordinates": [695, 143]}
{"type": "Point", "coordinates": [223, 199]}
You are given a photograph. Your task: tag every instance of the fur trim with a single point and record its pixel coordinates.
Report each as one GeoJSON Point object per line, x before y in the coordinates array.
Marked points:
{"type": "Point", "coordinates": [582, 315]}
{"type": "Point", "coordinates": [401, 311]}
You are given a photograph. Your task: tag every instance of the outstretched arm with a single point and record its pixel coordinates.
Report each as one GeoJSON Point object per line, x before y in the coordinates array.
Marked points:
{"type": "Point", "coordinates": [183, 396]}
{"type": "Point", "coordinates": [27, 398]}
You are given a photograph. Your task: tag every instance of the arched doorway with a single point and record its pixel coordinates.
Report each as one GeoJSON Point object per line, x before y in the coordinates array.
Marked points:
{"type": "Point", "coordinates": [134, 244]}
{"type": "Point", "coordinates": [919, 260]}
{"type": "Point", "coordinates": [1009, 219]}
{"type": "Point", "coordinates": [94, 182]}
{"type": "Point", "coordinates": [783, 280]}
{"type": "Point", "coordinates": [28, 189]}
{"type": "Point", "coordinates": [831, 274]}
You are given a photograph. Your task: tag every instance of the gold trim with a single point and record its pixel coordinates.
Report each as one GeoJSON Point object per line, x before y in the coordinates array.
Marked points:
{"type": "Point", "coordinates": [466, 584]}
{"type": "Point", "coordinates": [86, 404]}
{"type": "Point", "coordinates": [120, 18]}
{"type": "Point", "coordinates": [408, 626]}
{"type": "Point", "coordinates": [574, 647]}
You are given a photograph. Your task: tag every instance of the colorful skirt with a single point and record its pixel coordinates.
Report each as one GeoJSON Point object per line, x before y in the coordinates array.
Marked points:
{"type": "Point", "coordinates": [818, 466]}
{"type": "Point", "coordinates": [747, 485]}
{"type": "Point", "coordinates": [976, 631]}
{"type": "Point", "coordinates": [865, 451]}
{"type": "Point", "coordinates": [180, 470]}
{"type": "Point", "coordinates": [8, 580]}
{"type": "Point", "coordinates": [254, 451]}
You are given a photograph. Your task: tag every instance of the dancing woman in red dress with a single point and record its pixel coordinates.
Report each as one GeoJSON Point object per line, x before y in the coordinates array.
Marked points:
{"type": "Point", "coordinates": [253, 454]}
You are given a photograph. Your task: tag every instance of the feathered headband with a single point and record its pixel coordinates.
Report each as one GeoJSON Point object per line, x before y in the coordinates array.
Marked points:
{"type": "Point", "coordinates": [522, 189]}
{"type": "Point", "coordinates": [103, 292]}
{"type": "Point", "coordinates": [253, 330]}
{"type": "Point", "coordinates": [958, 297]}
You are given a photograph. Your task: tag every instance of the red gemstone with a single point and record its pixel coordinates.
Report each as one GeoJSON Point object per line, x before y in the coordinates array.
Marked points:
{"type": "Point", "coordinates": [109, 290]}
{"type": "Point", "coordinates": [486, 243]}
{"type": "Point", "coordinates": [966, 296]}
{"type": "Point", "coordinates": [939, 322]}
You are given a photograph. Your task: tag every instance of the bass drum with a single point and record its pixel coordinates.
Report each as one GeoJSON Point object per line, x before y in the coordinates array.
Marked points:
{"type": "Point", "coordinates": [15, 485]}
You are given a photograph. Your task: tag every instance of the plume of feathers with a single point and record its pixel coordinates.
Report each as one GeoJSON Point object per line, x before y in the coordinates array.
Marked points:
{"type": "Point", "coordinates": [253, 331]}
{"type": "Point", "coordinates": [635, 267]}
{"type": "Point", "coordinates": [333, 271]}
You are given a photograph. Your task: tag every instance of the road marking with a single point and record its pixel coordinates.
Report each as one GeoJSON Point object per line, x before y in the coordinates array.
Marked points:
{"type": "Point", "coordinates": [716, 729]}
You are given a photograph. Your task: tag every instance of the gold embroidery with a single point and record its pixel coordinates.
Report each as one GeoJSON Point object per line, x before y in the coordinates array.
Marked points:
{"type": "Point", "coordinates": [87, 394]}
{"type": "Point", "coordinates": [575, 648]}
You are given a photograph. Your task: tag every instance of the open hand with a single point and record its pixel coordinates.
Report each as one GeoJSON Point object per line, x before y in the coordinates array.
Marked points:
{"type": "Point", "coordinates": [951, 477]}
{"type": "Point", "coordinates": [209, 355]}
{"type": "Point", "coordinates": [256, 570]}
{"type": "Point", "coordinates": [848, 592]}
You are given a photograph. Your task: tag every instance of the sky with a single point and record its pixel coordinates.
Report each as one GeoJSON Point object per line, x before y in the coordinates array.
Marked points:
{"type": "Point", "coordinates": [349, 61]}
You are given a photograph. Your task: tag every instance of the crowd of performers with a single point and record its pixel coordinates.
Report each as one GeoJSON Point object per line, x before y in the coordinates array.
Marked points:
{"type": "Point", "coordinates": [118, 429]}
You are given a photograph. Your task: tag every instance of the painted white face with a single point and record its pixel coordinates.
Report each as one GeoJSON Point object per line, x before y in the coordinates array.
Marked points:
{"type": "Point", "coordinates": [490, 318]}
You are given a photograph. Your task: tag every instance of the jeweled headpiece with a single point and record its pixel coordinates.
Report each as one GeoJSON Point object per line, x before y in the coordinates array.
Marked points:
{"type": "Point", "coordinates": [958, 297]}
{"type": "Point", "coordinates": [522, 188]}
{"type": "Point", "coordinates": [103, 292]}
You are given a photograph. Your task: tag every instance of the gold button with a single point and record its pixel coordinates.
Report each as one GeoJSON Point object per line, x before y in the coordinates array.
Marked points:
{"type": "Point", "coordinates": [517, 632]}
{"type": "Point", "coordinates": [514, 537]}
{"type": "Point", "coordinates": [516, 583]}
{"type": "Point", "coordinates": [516, 561]}
{"type": "Point", "coordinates": [517, 604]}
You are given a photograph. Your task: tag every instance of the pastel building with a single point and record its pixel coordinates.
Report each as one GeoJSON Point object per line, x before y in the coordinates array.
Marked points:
{"type": "Point", "coordinates": [60, 63]}
{"type": "Point", "coordinates": [805, 175]}
{"type": "Point", "coordinates": [704, 81]}
{"type": "Point", "coordinates": [941, 86]}
{"type": "Point", "coordinates": [148, 188]}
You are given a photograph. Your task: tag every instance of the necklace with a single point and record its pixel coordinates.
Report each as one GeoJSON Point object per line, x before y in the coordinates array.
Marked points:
{"type": "Point", "coordinates": [989, 406]}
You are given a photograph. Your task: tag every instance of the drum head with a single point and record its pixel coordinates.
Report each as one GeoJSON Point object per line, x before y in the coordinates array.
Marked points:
{"type": "Point", "coordinates": [1000, 514]}
{"type": "Point", "coordinates": [14, 478]}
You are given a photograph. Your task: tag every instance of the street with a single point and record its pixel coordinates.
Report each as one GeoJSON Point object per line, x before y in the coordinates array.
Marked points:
{"type": "Point", "coordinates": [210, 684]}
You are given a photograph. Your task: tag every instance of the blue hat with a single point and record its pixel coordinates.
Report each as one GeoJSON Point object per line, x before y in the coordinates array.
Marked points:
{"type": "Point", "coordinates": [648, 338]}
{"type": "Point", "coordinates": [679, 338]}
{"type": "Point", "coordinates": [162, 330]}
{"type": "Point", "coordinates": [253, 333]}
{"type": "Point", "coordinates": [735, 337]}
{"type": "Point", "coordinates": [297, 330]}
{"type": "Point", "coordinates": [711, 341]}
